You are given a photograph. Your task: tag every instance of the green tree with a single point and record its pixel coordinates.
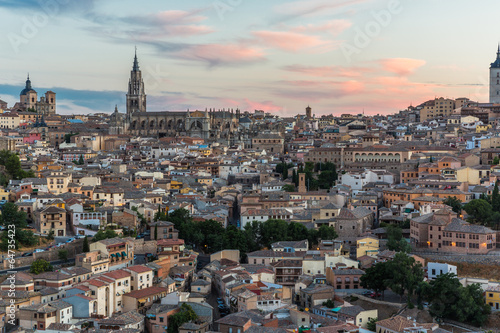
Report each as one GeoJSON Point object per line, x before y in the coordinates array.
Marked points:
{"type": "Point", "coordinates": [405, 275]}
{"type": "Point", "coordinates": [14, 222]}
{"type": "Point", "coordinates": [329, 304]}
{"type": "Point", "coordinates": [454, 203]}
{"type": "Point", "coordinates": [234, 238]}
{"type": "Point", "coordinates": [13, 167]}
{"type": "Point", "coordinates": [100, 235]}
{"type": "Point", "coordinates": [86, 247]}
{"type": "Point", "coordinates": [185, 314]}
{"type": "Point", "coordinates": [81, 161]}
{"type": "Point", "coordinates": [63, 254]}
{"type": "Point", "coordinates": [395, 240]}
{"type": "Point", "coordinates": [274, 231]}
{"type": "Point", "coordinates": [479, 211]}
{"type": "Point", "coordinates": [496, 160]}
{"type": "Point", "coordinates": [326, 232]}
{"type": "Point", "coordinates": [450, 300]}
{"type": "Point", "coordinates": [495, 199]}
{"type": "Point", "coordinates": [372, 324]}
{"type": "Point", "coordinates": [50, 235]}
{"type": "Point", "coordinates": [39, 266]}
{"type": "Point", "coordinates": [156, 231]}
{"type": "Point", "coordinates": [288, 188]}
{"type": "Point", "coordinates": [376, 277]}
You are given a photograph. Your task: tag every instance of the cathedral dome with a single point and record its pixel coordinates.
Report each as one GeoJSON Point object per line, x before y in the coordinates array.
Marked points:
{"type": "Point", "coordinates": [27, 88]}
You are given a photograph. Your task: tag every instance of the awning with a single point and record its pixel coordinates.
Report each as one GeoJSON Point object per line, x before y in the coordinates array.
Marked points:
{"type": "Point", "coordinates": [124, 254]}
{"type": "Point", "coordinates": [118, 254]}
{"type": "Point", "coordinates": [113, 255]}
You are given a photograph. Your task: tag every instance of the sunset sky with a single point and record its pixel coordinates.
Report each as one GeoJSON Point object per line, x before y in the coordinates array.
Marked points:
{"type": "Point", "coordinates": [338, 56]}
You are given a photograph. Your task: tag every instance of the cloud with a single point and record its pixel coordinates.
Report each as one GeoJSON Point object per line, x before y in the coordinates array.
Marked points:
{"type": "Point", "coordinates": [291, 41]}
{"type": "Point", "coordinates": [328, 71]}
{"type": "Point", "coordinates": [215, 55]}
{"type": "Point", "coordinates": [402, 66]}
{"type": "Point", "coordinates": [307, 8]}
{"type": "Point", "coordinates": [67, 100]}
{"type": "Point", "coordinates": [334, 27]}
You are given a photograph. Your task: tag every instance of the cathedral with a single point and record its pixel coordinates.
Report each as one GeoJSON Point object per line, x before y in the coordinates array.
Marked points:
{"type": "Point", "coordinates": [28, 101]}
{"type": "Point", "coordinates": [211, 125]}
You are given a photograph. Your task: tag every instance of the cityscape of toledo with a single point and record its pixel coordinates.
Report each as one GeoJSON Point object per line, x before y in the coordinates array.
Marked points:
{"type": "Point", "coordinates": [249, 166]}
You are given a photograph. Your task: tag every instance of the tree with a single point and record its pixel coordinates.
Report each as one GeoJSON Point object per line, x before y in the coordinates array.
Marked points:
{"type": "Point", "coordinates": [496, 160]}
{"type": "Point", "coordinates": [185, 314]}
{"type": "Point", "coordinates": [372, 324]}
{"type": "Point", "coordinates": [405, 274]}
{"type": "Point", "coordinates": [39, 266]}
{"type": "Point", "coordinates": [100, 235]}
{"type": "Point", "coordinates": [479, 210]}
{"type": "Point", "coordinates": [495, 199]}
{"type": "Point", "coordinates": [288, 188]}
{"type": "Point", "coordinates": [450, 300]}
{"type": "Point", "coordinates": [395, 240]}
{"type": "Point", "coordinates": [375, 277]}
{"type": "Point", "coordinates": [15, 220]}
{"type": "Point", "coordinates": [329, 304]}
{"type": "Point", "coordinates": [156, 231]}
{"type": "Point", "coordinates": [86, 247]}
{"type": "Point", "coordinates": [63, 254]}
{"type": "Point", "coordinates": [13, 169]}
{"type": "Point", "coordinates": [81, 161]}
{"type": "Point", "coordinates": [454, 203]}
{"type": "Point", "coordinates": [327, 233]}
{"type": "Point", "coordinates": [50, 235]}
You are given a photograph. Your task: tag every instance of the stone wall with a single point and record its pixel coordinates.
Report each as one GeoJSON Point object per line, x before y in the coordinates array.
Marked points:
{"type": "Point", "coordinates": [142, 247]}
{"type": "Point", "coordinates": [73, 248]}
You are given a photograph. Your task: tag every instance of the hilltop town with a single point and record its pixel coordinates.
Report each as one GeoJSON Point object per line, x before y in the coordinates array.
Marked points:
{"type": "Point", "coordinates": [229, 220]}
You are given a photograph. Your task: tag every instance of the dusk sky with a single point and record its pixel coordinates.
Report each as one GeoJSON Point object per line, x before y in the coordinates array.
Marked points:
{"type": "Point", "coordinates": [337, 56]}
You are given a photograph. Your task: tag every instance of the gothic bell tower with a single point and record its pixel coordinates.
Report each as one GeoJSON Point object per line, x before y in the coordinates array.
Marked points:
{"type": "Point", "coordinates": [136, 96]}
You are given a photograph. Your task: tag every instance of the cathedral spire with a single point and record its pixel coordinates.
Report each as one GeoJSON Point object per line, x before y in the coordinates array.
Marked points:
{"type": "Point", "coordinates": [136, 63]}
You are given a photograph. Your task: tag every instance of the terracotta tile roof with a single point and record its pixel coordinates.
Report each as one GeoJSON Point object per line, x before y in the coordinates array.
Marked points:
{"type": "Point", "coordinates": [139, 269]}
{"type": "Point", "coordinates": [118, 274]}
{"type": "Point", "coordinates": [145, 292]}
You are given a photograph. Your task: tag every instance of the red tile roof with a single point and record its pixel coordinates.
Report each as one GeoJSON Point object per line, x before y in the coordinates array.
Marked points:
{"type": "Point", "coordinates": [118, 274]}
{"type": "Point", "coordinates": [146, 292]}
{"type": "Point", "coordinates": [139, 269]}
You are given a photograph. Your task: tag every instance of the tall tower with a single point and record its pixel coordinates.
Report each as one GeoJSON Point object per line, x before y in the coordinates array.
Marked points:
{"type": "Point", "coordinates": [495, 79]}
{"type": "Point", "coordinates": [136, 96]}
{"type": "Point", "coordinates": [308, 112]}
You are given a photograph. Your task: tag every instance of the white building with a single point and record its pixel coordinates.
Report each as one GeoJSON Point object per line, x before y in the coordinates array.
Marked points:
{"type": "Point", "coordinates": [434, 269]}
{"type": "Point", "coordinates": [357, 180]}
{"type": "Point", "coordinates": [262, 215]}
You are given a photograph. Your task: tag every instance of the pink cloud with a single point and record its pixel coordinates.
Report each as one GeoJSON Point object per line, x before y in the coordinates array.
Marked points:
{"type": "Point", "coordinates": [291, 41]}
{"type": "Point", "coordinates": [328, 71]}
{"type": "Point", "coordinates": [314, 7]}
{"type": "Point", "coordinates": [402, 66]}
{"type": "Point", "coordinates": [177, 23]}
{"type": "Point", "coordinates": [334, 27]}
{"type": "Point", "coordinates": [222, 54]}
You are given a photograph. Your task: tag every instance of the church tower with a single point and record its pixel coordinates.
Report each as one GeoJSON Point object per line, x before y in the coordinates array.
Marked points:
{"type": "Point", "coordinates": [136, 96]}
{"type": "Point", "coordinates": [495, 79]}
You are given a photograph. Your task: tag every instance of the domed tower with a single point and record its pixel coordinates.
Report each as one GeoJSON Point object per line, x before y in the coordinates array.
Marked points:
{"type": "Point", "coordinates": [495, 79]}
{"type": "Point", "coordinates": [28, 96]}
